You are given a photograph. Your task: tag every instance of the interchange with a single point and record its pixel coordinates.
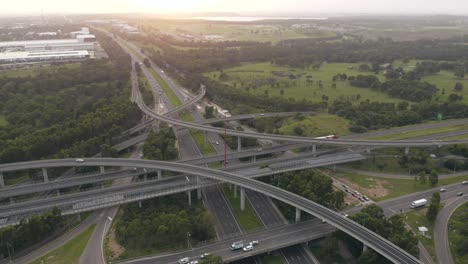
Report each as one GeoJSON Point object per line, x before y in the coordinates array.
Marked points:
{"type": "Point", "coordinates": [369, 238]}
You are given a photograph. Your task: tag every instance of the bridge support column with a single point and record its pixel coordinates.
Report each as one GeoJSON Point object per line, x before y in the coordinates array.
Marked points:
{"type": "Point", "coordinates": [2, 181]}
{"type": "Point", "coordinates": [406, 150]}
{"type": "Point", "coordinates": [139, 204]}
{"type": "Point", "coordinates": [298, 215]}
{"type": "Point", "coordinates": [314, 148]}
{"type": "Point", "coordinates": [189, 194]}
{"type": "Point", "coordinates": [78, 216]}
{"type": "Point", "coordinates": [368, 150]}
{"type": "Point", "coordinates": [242, 199]}
{"type": "Point", "coordinates": [58, 193]}
{"type": "Point", "coordinates": [157, 126]}
{"type": "Point", "coordinates": [235, 191]}
{"type": "Point", "coordinates": [159, 174]}
{"type": "Point", "coordinates": [199, 194]}
{"type": "Point", "coordinates": [145, 177]}
{"type": "Point", "coordinates": [12, 200]}
{"type": "Point", "coordinates": [239, 144]}
{"type": "Point", "coordinates": [254, 158]}
{"type": "Point", "coordinates": [364, 248]}
{"type": "Point", "coordinates": [45, 175]}
{"type": "Point", "coordinates": [101, 169]}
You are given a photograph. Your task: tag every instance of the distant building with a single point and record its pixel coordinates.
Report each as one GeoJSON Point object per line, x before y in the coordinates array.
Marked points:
{"type": "Point", "coordinates": [385, 66]}
{"type": "Point", "coordinates": [25, 57]}
{"type": "Point", "coordinates": [82, 42]}
{"type": "Point", "coordinates": [83, 31]}
{"type": "Point", "coordinates": [41, 34]}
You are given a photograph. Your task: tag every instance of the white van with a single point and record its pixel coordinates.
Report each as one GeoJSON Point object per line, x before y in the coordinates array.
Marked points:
{"type": "Point", "coordinates": [184, 260]}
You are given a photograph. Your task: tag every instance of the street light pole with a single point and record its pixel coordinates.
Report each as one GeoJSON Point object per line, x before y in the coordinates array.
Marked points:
{"type": "Point", "coordinates": [8, 249]}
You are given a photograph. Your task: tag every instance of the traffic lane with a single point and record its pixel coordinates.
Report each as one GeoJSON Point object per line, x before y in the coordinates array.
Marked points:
{"type": "Point", "coordinates": [265, 209]}
{"type": "Point", "coordinates": [404, 204]}
{"type": "Point", "coordinates": [440, 229]}
{"type": "Point", "coordinates": [272, 238]}
{"type": "Point", "coordinates": [93, 250]}
{"type": "Point", "coordinates": [226, 223]}
{"type": "Point", "coordinates": [296, 255]}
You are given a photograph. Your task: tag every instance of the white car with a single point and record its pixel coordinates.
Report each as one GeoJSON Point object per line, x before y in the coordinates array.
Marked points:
{"type": "Point", "coordinates": [464, 182]}
{"type": "Point", "coordinates": [345, 214]}
{"type": "Point", "coordinates": [204, 255]}
{"type": "Point", "coordinates": [184, 260]}
{"type": "Point", "coordinates": [254, 243]}
{"type": "Point", "coordinates": [248, 248]}
{"type": "Point", "coordinates": [443, 190]}
{"type": "Point", "coordinates": [194, 262]}
{"type": "Point", "coordinates": [79, 160]}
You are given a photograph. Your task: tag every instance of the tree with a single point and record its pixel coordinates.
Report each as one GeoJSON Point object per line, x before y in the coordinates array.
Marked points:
{"type": "Point", "coordinates": [212, 259]}
{"type": "Point", "coordinates": [433, 178]}
{"type": "Point", "coordinates": [281, 92]}
{"type": "Point", "coordinates": [147, 62]}
{"type": "Point", "coordinates": [433, 209]}
{"type": "Point", "coordinates": [458, 87]}
{"type": "Point", "coordinates": [364, 67]}
{"type": "Point", "coordinates": [422, 177]}
{"type": "Point", "coordinates": [298, 131]}
{"type": "Point", "coordinates": [209, 112]}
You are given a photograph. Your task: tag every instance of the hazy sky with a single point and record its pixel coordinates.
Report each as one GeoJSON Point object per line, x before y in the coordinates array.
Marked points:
{"type": "Point", "coordinates": [241, 6]}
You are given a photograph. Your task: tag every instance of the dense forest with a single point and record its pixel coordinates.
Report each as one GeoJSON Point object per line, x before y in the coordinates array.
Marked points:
{"type": "Point", "coordinates": [69, 112]}
{"type": "Point", "coordinates": [309, 184]}
{"type": "Point", "coordinates": [29, 232]}
{"type": "Point", "coordinates": [392, 228]}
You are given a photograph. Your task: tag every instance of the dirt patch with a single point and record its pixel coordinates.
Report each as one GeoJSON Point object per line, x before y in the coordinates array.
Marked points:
{"type": "Point", "coordinates": [115, 248]}
{"type": "Point", "coordinates": [376, 189]}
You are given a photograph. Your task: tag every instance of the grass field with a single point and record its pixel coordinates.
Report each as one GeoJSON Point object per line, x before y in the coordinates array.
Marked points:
{"type": "Point", "coordinates": [417, 218]}
{"type": "Point", "coordinates": [199, 138]}
{"type": "Point", "coordinates": [258, 74]}
{"type": "Point", "coordinates": [319, 125]}
{"type": "Point", "coordinates": [248, 219]}
{"type": "Point", "coordinates": [379, 189]}
{"type": "Point", "coordinates": [446, 80]}
{"type": "Point", "coordinates": [172, 96]}
{"type": "Point", "coordinates": [70, 252]}
{"type": "Point", "coordinates": [235, 31]}
{"type": "Point", "coordinates": [457, 219]}
{"type": "Point", "coordinates": [272, 259]}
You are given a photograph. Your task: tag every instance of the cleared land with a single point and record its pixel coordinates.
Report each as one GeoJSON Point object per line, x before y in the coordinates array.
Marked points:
{"type": "Point", "coordinates": [256, 79]}
{"type": "Point", "coordinates": [319, 125]}
{"type": "Point", "coordinates": [70, 252]}
{"type": "Point", "coordinates": [379, 189]}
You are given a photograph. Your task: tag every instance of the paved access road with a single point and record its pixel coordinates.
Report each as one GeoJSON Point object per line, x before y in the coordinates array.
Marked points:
{"type": "Point", "coordinates": [440, 228]}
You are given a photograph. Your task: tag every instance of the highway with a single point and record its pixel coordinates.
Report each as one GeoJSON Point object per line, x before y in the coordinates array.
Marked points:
{"type": "Point", "coordinates": [374, 241]}
{"type": "Point", "coordinates": [441, 228]}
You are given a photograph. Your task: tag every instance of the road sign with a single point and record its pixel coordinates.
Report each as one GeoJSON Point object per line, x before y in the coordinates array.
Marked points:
{"type": "Point", "coordinates": [439, 116]}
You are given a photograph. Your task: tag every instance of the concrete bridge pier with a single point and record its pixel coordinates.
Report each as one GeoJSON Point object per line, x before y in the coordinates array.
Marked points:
{"type": "Point", "coordinates": [145, 177]}
{"type": "Point", "coordinates": [235, 191]}
{"type": "Point", "coordinates": [159, 174]}
{"type": "Point", "coordinates": [189, 194]}
{"type": "Point", "coordinates": [140, 204]}
{"type": "Point", "coordinates": [239, 144]}
{"type": "Point", "coordinates": [102, 170]}
{"type": "Point", "coordinates": [12, 200]}
{"type": "Point", "coordinates": [254, 159]}
{"type": "Point", "coordinates": [242, 199]}
{"type": "Point", "coordinates": [2, 181]}
{"type": "Point", "coordinates": [45, 175]}
{"type": "Point", "coordinates": [199, 194]}
{"type": "Point", "coordinates": [364, 248]}
{"type": "Point", "coordinates": [406, 150]}
{"type": "Point", "coordinates": [298, 215]}
{"type": "Point", "coordinates": [78, 216]}
{"type": "Point", "coordinates": [314, 148]}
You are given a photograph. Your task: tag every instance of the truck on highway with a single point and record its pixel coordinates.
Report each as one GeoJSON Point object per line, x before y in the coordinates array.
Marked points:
{"type": "Point", "coordinates": [237, 245]}
{"type": "Point", "coordinates": [418, 203]}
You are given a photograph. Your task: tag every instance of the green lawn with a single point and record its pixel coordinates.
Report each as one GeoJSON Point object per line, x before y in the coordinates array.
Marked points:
{"type": "Point", "coordinates": [256, 77]}
{"type": "Point", "coordinates": [172, 96]}
{"type": "Point", "coordinates": [199, 138]}
{"type": "Point", "coordinates": [416, 218]}
{"type": "Point", "coordinates": [272, 259]}
{"type": "Point", "coordinates": [372, 186]}
{"type": "Point", "coordinates": [457, 220]}
{"type": "Point", "coordinates": [16, 179]}
{"type": "Point", "coordinates": [70, 252]}
{"type": "Point", "coordinates": [319, 125]}
{"type": "Point", "coordinates": [248, 219]}
{"type": "Point", "coordinates": [446, 80]}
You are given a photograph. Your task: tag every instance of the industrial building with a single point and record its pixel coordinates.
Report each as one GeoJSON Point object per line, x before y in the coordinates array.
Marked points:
{"type": "Point", "coordinates": [81, 42]}
{"type": "Point", "coordinates": [23, 57]}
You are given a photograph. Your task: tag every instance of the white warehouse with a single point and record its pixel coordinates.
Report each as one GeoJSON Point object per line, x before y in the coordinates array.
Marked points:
{"type": "Point", "coordinates": [81, 42]}
{"type": "Point", "coordinates": [17, 57]}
